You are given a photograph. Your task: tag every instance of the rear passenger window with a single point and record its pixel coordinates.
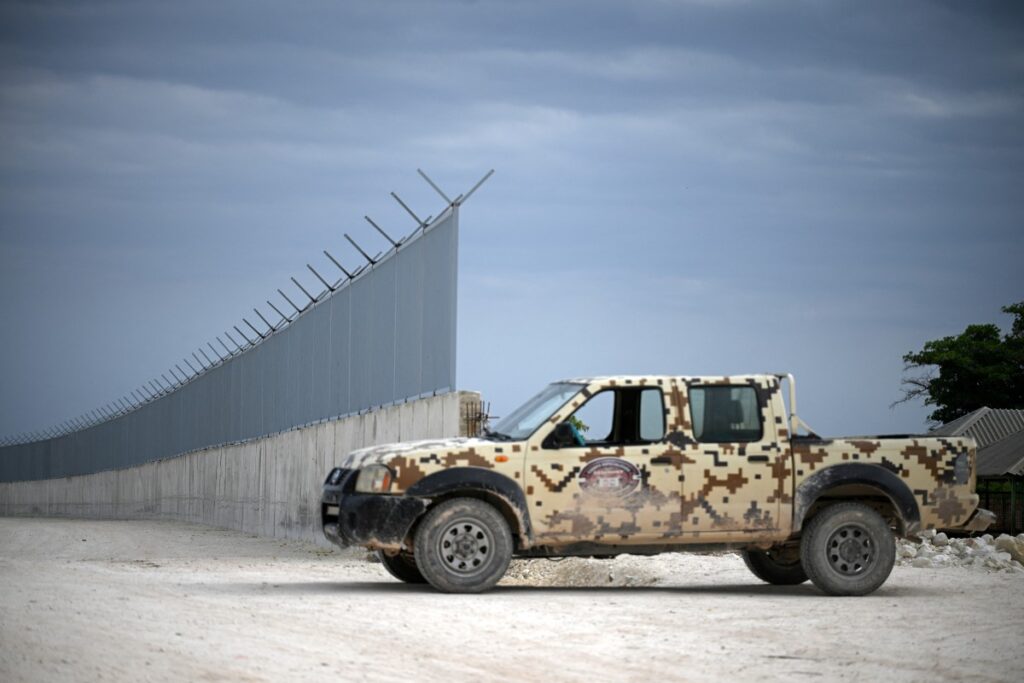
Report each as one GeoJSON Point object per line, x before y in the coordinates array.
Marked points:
{"type": "Point", "coordinates": [723, 414]}
{"type": "Point", "coordinates": [652, 415]}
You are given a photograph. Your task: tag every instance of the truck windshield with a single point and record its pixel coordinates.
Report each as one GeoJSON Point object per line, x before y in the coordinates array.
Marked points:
{"type": "Point", "coordinates": [524, 420]}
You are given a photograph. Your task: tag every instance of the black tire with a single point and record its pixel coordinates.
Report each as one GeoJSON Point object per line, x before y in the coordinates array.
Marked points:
{"type": "Point", "coordinates": [401, 566]}
{"type": "Point", "coordinates": [777, 566]}
{"type": "Point", "coordinates": [463, 545]}
{"type": "Point", "coordinates": [847, 549]}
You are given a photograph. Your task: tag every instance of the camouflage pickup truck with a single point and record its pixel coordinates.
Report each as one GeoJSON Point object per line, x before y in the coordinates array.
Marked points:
{"type": "Point", "coordinates": [603, 466]}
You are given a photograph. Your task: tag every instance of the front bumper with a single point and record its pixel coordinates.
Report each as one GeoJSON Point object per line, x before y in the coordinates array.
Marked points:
{"type": "Point", "coordinates": [373, 520]}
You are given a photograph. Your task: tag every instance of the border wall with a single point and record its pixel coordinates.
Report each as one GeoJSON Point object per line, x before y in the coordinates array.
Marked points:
{"type": "Point", "coordinates": [268, 486]}
{"type": "Point", "coordinates": [246, 441]}
{"type": "Point", "coordinates": [383, 335]}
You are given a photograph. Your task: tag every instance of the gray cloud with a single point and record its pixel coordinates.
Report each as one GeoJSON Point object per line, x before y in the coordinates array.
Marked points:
{"type": "Point", "coordinates": [682, 186]}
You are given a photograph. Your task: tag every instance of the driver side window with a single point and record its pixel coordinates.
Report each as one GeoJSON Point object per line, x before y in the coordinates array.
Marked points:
{"type": "Point", "coordinates": [593, 420]}
{"type": "Point", "coordinates": [617, 417]}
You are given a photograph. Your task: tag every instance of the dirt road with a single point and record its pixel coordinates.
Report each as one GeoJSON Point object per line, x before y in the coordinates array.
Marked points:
{"type": "Point", "coordinates": [90, 600]}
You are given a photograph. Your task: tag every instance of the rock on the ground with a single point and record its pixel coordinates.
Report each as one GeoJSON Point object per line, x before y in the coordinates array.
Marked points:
{"type": "Point", "coordinates": [1014, 546]}
{"type": "Point", "coordinates": [907, 550]}
{"type": "Point", "coordinates": [982, 553]}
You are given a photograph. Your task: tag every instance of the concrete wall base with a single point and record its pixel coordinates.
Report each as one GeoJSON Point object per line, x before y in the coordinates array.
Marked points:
{"type": "Point", "coordinates": [267, 487]}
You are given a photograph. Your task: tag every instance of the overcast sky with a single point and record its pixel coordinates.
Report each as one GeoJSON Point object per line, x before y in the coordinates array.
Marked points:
{"type": "Point", "coordinates": [680, 187]}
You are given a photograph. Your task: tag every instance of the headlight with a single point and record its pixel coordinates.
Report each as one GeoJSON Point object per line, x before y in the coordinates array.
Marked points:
{"type": "Point", "coordinates": [374, 479]}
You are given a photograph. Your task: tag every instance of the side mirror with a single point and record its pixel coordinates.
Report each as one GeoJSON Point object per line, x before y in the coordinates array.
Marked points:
{"type": "Point", "coordinates": [564, 435]}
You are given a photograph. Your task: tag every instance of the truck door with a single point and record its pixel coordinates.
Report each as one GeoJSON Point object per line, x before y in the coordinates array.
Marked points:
{"type": "Point", "coordinates": [738, 477]}
{"type": "Point", "coordinates": [609, 486]}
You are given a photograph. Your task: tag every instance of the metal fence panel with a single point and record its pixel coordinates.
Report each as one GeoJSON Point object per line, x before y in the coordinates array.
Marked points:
{"type": "Point", "coordinates": [382, 332]}
{"type": "Point", "coordinates": [409, 332]}
{"type": "Point", "coordinates": [339, 351]}
{"type": "Point", "coordinates": [386, 336]}
{"type": "Point", "coordinates": [360, 344]}
{"type": "Point", "coordinates": [439, 309]}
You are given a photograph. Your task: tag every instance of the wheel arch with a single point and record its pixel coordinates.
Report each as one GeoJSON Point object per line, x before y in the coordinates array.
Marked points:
{"type": "Point", "coordinates": [487, 485]}
{"type": "Point", "coordinates": [851, 481]}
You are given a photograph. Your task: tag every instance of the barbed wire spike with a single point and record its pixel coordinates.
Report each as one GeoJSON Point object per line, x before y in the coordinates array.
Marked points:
{"type": "Point", "coordinates": [284, 319]}
{"type": "Point", "coordinates": [244, 336]}
{"type": "Point", "coordinates": [216, 352]}
{"type": "Point", "coordinates": [366, 256]}
{"type": "Point", "coordinates": [297, 309]}
{"type": "Point", "coordinates": [320, 278]}
{"type": "Point", "coordinates": [212, 364]}
{"type": "Point", "coordinates": [434, 185]}
{"type": "Point", "coordinates": [381, 231]}
{"type": "Point", "coordinates": [312, 300]}
{"type": "Point", "coordinates": [267, 322]}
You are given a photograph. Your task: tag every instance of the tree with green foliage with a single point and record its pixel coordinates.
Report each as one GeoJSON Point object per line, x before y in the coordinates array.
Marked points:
{"type": "Point", "coordinates": [979, 367]}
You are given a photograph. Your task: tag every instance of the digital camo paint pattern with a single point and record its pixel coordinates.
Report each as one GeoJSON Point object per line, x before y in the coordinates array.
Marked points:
{"type": "Point", "coordinates": [678, 489]}
{"type": "Point", "coordinates": [928, 466]}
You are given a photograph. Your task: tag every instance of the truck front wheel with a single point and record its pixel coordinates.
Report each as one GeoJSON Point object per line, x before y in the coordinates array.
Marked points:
{"type": "Point", "coordinates": [847, 549]}
{"type": "Point", "coordinates": [778, 566]}
{"type": "Point", "coordinates": [463, 545]}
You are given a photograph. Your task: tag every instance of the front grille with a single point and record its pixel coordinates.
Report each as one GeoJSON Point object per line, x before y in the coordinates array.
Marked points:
{"type": "Point", "coordinates": [329, 514]}
{"type": "Point", "coordinates": [338, 483]}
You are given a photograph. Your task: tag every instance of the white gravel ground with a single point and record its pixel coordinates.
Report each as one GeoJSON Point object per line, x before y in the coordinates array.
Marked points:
{"type": "Point", "coordinates": [92, 600]}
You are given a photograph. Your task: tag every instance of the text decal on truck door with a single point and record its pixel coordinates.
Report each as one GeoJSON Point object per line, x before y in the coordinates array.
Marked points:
{"type": "Point", "coordinates": [609, 477]}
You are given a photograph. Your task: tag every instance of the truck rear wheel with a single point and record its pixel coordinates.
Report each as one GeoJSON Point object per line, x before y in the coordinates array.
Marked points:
{"type": "Point", "coordinates": [402, 566]}
{"type": "Point", "coordinates": [463, 545]}
{"type": "Point", "coordinates": [778, 566]}
{"type": "Point", "coordinates": [847, 549]}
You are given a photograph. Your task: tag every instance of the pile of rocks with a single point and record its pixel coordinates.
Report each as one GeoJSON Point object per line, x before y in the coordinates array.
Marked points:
{"type": "Point", "coordinates": [1002, 554]}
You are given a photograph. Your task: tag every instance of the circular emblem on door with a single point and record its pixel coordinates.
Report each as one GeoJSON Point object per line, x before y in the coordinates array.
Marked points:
{"type": "Point", "coordinates": [609, 477]}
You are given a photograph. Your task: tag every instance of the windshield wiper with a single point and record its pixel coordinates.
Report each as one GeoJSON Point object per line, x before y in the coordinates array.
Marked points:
{"type": "Point", "coordinates": [497, 436]}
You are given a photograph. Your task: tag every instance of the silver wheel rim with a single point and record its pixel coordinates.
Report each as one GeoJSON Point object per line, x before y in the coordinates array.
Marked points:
{"type": "Point", "coordinates": [465, 547]}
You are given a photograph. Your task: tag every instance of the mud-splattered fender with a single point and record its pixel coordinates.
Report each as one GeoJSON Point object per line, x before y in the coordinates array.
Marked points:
{"type": "Point", "coordinates": [491, 484]}
{"type": "Point", "coordinates": [875, 476]}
